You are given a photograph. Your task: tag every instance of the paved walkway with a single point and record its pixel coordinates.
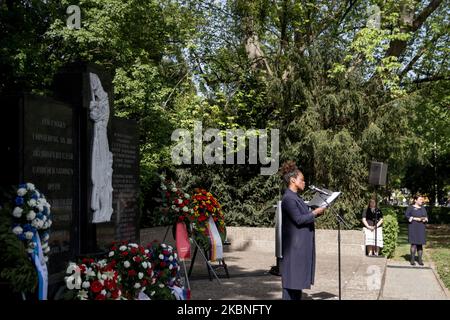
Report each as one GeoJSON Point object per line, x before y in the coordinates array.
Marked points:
{"type": "Point", "coordinates": [251, 256]}
{"type": "Point", "coordinates": [362, 278]}
{"type": "Point", "coordinates": [405, 282]}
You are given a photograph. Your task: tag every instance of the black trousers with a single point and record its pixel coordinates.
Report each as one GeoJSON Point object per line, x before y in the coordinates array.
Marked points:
{"type": "Point", "coordinates": [292, 294]}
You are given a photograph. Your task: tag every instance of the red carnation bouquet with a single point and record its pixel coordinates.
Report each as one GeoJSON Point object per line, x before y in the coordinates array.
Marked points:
{"type": "Point", "coordinates": [134, 267]}
{"type": "Point", "coordinates": [92, 280]}
{"type": "Point", "coordinates": [205, 205]}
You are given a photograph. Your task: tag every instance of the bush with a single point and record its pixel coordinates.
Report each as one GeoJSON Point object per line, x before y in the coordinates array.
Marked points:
{"type": "Point", "coordinates": [390, 232]}
{"type": "Point", "coordinates": [439, 215]}
{"type": "Point", "coordinates": [16, 268]}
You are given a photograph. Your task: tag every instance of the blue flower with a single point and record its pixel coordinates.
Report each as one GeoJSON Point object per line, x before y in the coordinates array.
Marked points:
{"type": "Point", "coordinates": [28, 227]}
{"type": "Point", "coordinates": [19, 201]}
{"type": "Point", "coordinates": [23, 185]}
{"type": "Point", "coordinates": [34, 196]}
{"type": "Point", "coordinates": [39, 215]}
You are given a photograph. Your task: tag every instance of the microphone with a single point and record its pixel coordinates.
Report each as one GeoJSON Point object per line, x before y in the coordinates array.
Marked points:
{"type": "Point", "coordinates": [314, 188]}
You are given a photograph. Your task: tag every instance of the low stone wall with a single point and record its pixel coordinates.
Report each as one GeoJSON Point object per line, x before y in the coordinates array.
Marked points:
{"type": "Point", "coordinates": [162, 234]}
{"type": "Point", "coordinates": [263, 239]}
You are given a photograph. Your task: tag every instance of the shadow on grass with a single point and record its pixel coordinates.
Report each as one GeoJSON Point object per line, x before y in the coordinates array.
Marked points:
{"type": "Point", "coordinates": [438, 236]}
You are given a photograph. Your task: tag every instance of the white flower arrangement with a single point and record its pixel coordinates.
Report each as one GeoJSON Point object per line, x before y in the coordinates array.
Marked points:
{"type": "Point", "coordinates": [30, 186]}
{"type": "Point", "coordinates": [82, 295]}
{"type": "Point", "coordinates": [21, 192]}
{"type": "Point", "coordinates": [35, 221]}
{"type": "Point", "coordinates": [31, 215]}
{"type": "Point", "coordinates": [17, 212]}
{"type": "Point", "coordinates": [17, 230]}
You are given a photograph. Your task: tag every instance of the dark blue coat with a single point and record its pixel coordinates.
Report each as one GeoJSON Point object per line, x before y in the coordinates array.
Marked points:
{"type": "Point", "coordinates": [298, 244]}
{"type": "Point", "coordinates": [416, 229]}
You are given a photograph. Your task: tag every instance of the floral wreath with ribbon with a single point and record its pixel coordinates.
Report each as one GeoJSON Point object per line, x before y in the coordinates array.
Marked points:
{"type": "Point", "coordinates": [205, 205]}
{"type": "Point", "coordinates": [32, 219]}
{"type": "Point", "coordinates": [177, 202]}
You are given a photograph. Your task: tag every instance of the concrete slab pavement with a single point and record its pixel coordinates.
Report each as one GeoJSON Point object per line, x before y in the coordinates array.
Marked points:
{"type": "Point", "coordinates": [250, 278]}
{"type": "Point", "coordinates": [405, 282]}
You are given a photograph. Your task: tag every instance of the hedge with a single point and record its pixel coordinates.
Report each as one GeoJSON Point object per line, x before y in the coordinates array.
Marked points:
{"type": "Point", "coordinates": [390, 232]}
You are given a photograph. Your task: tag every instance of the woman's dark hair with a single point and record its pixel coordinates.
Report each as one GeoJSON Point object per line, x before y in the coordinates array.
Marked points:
{"type": "Point", "coordinates": [417, 196]}
{"type": "Point", "coordinates": [289, 170]}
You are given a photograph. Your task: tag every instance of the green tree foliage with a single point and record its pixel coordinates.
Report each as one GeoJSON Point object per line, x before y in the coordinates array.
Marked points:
{"type": "Point", "coordinates": [346, 82]}
{"type": "Point", "coordinates": [332, 81]}
{"type": "Point", "coordinates": [390, 234]}
{"type": "Point", "coordinates": [16, 267]}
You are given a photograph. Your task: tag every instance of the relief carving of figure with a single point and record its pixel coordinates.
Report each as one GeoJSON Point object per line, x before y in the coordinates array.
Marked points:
{"type": "Point", "coordinates": [102, 158]}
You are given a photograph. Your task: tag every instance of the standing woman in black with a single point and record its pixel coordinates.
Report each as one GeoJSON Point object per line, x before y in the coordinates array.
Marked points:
{"type": "Point", "coordinates": [371, 216]}
{"type": "Point", "coordinates": [417, 217]}
{"type": "Point", "coordinates": [297, 238]}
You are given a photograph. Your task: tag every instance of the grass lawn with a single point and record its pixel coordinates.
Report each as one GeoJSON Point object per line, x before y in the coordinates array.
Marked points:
{"type": "Point", "coordinates": [437, 248]}
{"type": "Point", "coordinates": [402, 251]}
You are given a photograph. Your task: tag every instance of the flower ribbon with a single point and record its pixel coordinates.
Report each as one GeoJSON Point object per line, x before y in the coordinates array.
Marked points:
{"type": "Point", "coordinates": [215, 241]}
{"type": "Point", "coordinates": [41, 267]}
{"type": "Point", "coordinates": [182, 241]}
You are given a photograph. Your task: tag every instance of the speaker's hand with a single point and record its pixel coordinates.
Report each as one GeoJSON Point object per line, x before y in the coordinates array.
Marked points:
{"type": "Point", "coordinates": [318, 211]}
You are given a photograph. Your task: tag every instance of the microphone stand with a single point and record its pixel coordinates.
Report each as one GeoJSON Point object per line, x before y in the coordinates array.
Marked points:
{"type": "Point", "coordinates": [376, 231]}
{"type": "Point", "coordinates": [340, 220]}
{"type": "Point", "coordinates": [375, 212]}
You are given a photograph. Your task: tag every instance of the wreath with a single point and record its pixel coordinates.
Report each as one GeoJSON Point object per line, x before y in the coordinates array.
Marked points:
{"type": "Point", "coordinates": [167, 278]}
{"type": "Point", "coordinates": [177, 203]}
{"type": "Point", "coordinates": [92, 280]}
{"type": "Point", "coordinates": [205, 205]}
{"type": "Point", "coordinates": [31, 218]}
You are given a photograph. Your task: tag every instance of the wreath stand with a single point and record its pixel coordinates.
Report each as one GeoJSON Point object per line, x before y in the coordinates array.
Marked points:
{"type": "Point", "coordinates": [205, 255]}
{"type": "Point", "coordinates": [209, 266]}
